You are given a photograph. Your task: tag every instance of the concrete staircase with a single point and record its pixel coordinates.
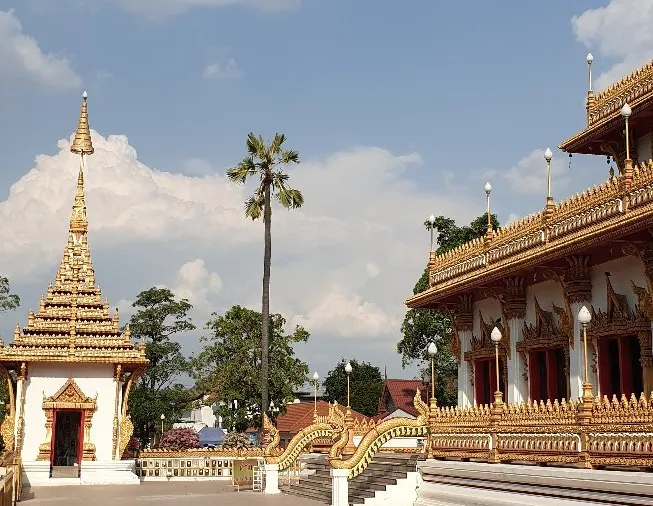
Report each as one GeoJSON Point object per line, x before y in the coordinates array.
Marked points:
{"type": "Point", "coordinates": [386, 470]}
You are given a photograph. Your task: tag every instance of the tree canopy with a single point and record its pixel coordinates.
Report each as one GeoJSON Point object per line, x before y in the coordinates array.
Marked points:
{"type": "Point", "coordinates": [365, 385]}
{"type": "Point", "coordinates": [229, 365]}
{"type": "Point", "coordinates": [421, 326]}
{"type": "Point", "coordinates": [8, 300]}
{"type": "Point", "coordinates": [159, 316]}
{"type": "Point", "coordinates": [265, 161]}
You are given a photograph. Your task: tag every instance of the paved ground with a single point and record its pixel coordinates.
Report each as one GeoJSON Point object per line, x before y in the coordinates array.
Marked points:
{"type": "Point", "coordinates": [184, 493]}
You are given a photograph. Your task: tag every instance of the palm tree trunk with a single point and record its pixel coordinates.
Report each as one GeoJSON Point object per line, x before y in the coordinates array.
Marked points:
{"type": "Point", "coordinates": [265, 326]}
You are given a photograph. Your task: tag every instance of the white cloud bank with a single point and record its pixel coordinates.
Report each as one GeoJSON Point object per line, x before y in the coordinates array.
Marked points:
{"type": "Point", "coordinates": [21, 59]}
{"type": "Point", "coordinates": [620, 31]}
{"type": "Point", "coordinates": [228, 70]}
{"type": "Point", "coordinates": [342, 265]}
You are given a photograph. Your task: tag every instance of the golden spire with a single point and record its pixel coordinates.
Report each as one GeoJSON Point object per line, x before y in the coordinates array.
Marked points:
{"type": "Point", "coordinates": [78, 221]}
{"type": "Point", "coordinates": [82, 144]}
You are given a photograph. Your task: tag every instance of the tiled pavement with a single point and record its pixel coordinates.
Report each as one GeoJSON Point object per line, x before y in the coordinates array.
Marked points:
{"type": "Point", "coordinates": [153, 494]}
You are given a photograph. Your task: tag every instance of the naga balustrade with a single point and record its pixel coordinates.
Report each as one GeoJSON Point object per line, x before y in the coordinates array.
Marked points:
{"type": "Point", "coordinates": [10, 482]}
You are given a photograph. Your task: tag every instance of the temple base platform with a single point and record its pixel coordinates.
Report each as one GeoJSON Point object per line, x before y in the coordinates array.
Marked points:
{"type": "Point", "coordinates": [113, 472]}
{"type": "Point", "coordinates": [444, 483]}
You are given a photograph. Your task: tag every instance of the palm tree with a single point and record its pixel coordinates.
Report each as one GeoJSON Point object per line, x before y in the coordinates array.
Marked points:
{"type": "Point", "coordinates": [265, 161]}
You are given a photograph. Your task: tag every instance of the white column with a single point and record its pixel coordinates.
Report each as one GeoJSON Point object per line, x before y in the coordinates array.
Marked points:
{"type": "Point", "coordinates": [517, 388]}
{"type": "Point", "coordinates": [118, 456]}
{"type": "Point", "coordinates": [465, 389]}
{"type": "Point", "coordinates": [339, 487]}
{"type": "Point", "coordinates": [272, 479]}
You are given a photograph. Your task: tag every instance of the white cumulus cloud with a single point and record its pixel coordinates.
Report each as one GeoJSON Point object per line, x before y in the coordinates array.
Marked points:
{"type": "Point", "coordinates": [146, 223]}
{"type": "Point", "coordinates": [21, 59]}
{"type": "Point", "coordinates": [620, 31]}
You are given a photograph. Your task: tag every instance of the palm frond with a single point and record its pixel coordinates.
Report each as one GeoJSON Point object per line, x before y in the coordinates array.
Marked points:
{"type": "Point", "coordinates": [254, 205]}
{"type": "Point", "coordinates": [289, 198]}
{"type": "Point", "coordinates": [255, 145]}
{"type": "Point", "coordinates": [245, 168]}
{"type": "Point", "coordinates": [277, 142]}
{"type": "Point", "coordinates": [288, 156]}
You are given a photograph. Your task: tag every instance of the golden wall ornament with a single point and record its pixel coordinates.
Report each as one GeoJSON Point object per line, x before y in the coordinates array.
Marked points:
{"type": "Point", "coordinates": [69, 396]}
{"type": "Point", "coordinates": [126, 433]}
{"type": "Point", "coordinates": [482, 347]}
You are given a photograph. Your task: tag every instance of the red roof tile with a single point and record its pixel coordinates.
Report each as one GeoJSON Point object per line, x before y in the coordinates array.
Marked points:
{"type": "Point", "coordinates": [401, 393]}
{"type": "Point", "coordinates": [300, 415]}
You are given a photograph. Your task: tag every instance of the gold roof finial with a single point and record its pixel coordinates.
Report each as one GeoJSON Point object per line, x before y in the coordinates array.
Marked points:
{"type": "Point", "coordinates": [82, 144]}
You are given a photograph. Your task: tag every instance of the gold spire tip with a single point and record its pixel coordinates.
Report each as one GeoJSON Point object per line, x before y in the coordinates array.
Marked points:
{"type": "Point", "coordinates": [82, 144]}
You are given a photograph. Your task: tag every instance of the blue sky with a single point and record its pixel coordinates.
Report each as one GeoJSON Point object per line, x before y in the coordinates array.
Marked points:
{"type": "Point", "coordinates": [402, 108]}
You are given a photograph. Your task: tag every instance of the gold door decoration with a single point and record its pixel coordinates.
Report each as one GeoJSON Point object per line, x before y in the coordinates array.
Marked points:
{"type": "Point", "coordinates": [69, 396]}
{"type": "Point", "coordinates": [7, 427]}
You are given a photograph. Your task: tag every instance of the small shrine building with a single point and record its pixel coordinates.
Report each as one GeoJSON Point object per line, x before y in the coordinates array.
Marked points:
{"type": "Point", "coordinates": [531, 278]}
{"type": "Point", "coordinates": [69, 372]}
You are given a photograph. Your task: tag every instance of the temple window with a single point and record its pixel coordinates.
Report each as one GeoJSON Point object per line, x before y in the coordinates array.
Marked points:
{"type": "Point", "coordinates": [482, 360]}
{"type": "Point", "coordinates": [547, 374]}
{"type": "Point", "coordinates": [485, 379]}
{"type": "Point", "coordinates": [616, 337]}
{"type": "Point", "coordinates": [620, 370]}
{"type": "Point", "coordinates": [545, 347]}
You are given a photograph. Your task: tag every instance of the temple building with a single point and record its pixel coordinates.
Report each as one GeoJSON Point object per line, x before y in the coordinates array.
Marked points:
{"type": "Point", "coordinates": [70, 370]}
{"type": "Point", "coordinates": [530, 279]}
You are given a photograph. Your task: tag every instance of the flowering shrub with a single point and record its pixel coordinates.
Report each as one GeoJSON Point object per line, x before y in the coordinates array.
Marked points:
{"type": "Point", "coordinates": [180, 439]}
{"type": "Point", "coordinates": [237, 441]}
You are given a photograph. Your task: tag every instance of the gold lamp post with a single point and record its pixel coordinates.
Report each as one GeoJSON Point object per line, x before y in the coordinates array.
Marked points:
{"type": "Point", "coordinates": [496, 336]}
{"type": "Point", "coordinates": [584, 318]}
{"type": "Point", "coordinates": [163, 417]}
{"type": "Point", "coordinates": [316, 377]}
{"type": "Point", "coordinates": [432, 350]}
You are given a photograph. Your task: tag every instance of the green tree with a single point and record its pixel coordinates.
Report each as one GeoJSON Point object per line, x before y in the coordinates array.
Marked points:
{"type": "Point", "coordinates": [421, 326]}
{"type": "Point", "coordinates": [365, 386]}
{"type": "Point", "coordinates": [8, 301]}
{"type": "Point", "coordinates": [159, 316]}
{"type": "Point", "coordinates": [265, 161]}
{"type": "Point", "coordinates": [229, 365]}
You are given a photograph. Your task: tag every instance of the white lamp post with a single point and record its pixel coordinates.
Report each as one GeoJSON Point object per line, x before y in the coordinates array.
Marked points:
{"type": "Point", "coordinates": [348, 370]}
{"type": "Point", "coordinates": [548, 156]}
{"type": "Point", "coordinates": [163, 417]}
{"type": "Point", "coordinates": [584, 318]}
{"type": "Point", "coordinates": [626, 111]}
{"type": "Point", "coordinates": [316, 377]}
{"type": "Point", "coordinates": [432, 351]}
{"type": "Point", "coordinates": [431, 223]}
{"type": "Point", "coordinates": [488, 190]}
{"type": "Point", "coordinates": [496, 336]}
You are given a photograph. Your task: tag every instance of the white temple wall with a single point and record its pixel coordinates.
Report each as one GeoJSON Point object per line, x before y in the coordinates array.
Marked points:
{"type": "Point", "coordinates": [46, 379]}
{"type": "Point", "coordinates": [491, 310]}
{"type": "Point", "coordinates": [465, 389]}
{"type": "Point", "coordinates": [547, 293]}
{"type": "Point", "coordinates": [643, 148]}
{"type": "Point", "coordinates": [622, 271]}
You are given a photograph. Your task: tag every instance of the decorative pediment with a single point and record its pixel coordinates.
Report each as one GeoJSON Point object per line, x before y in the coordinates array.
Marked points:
{"type": "Point", "coordinates": [69, 396]}
{"type": "Point", "coordinates": [483, 347]}
{"type": "Point", "coordinates": [546, 332]}
{"type": "Point", "coordinates": [461, 318]}
{"type": "Point", "coordinates": [620, 319]}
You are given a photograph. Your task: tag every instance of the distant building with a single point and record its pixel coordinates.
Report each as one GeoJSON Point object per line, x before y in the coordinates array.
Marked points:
{"type": "Point", "coordinates": [397, 398]}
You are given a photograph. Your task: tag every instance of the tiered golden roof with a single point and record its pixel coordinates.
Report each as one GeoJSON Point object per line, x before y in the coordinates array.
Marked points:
{"type": "Point", "coordinates": [73, 322]}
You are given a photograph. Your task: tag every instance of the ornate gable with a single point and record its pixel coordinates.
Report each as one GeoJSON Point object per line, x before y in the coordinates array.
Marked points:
{"type": "Point", "coordinates": [69, 396]}
{"type": "Point", "coordinates": [482, 347]}
{"type": "Point", "coordinates": [546, 332]}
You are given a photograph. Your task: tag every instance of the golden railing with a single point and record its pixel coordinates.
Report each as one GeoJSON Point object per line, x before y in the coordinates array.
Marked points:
{"type": "Point", "coordinates": [592, 432]}
{"type": "Point", "coordinates": [11, 479]}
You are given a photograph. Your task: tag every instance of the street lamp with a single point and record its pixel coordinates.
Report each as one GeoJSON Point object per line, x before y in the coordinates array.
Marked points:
{"type": "Point", "coordinates": [163, 417]}
{"type": "Point", "coordinates": [626, 111]}
{"type": "Point", "coordinates": [432, 351]}
{"type": "Point", "coordinates": [548, 156]}
{"type": "Point", "coordinates": [348, 370]}
{"type": "Point", "coordinates": [589, 59]}
{"type": "Point", "coordinates": [495, 336]}
{"type": "Point", "coordinates": [316, 377]}
{"type": "Point", "coordinates": [488, 190]}
{"type": "Point", "coordinates": [431, 223]}
{"type": "Point", "coordinates": [584, 318]}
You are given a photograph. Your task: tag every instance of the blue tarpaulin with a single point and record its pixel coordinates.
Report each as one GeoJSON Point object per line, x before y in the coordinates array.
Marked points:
{"type": "Point", "coordinates": [211, 436]}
